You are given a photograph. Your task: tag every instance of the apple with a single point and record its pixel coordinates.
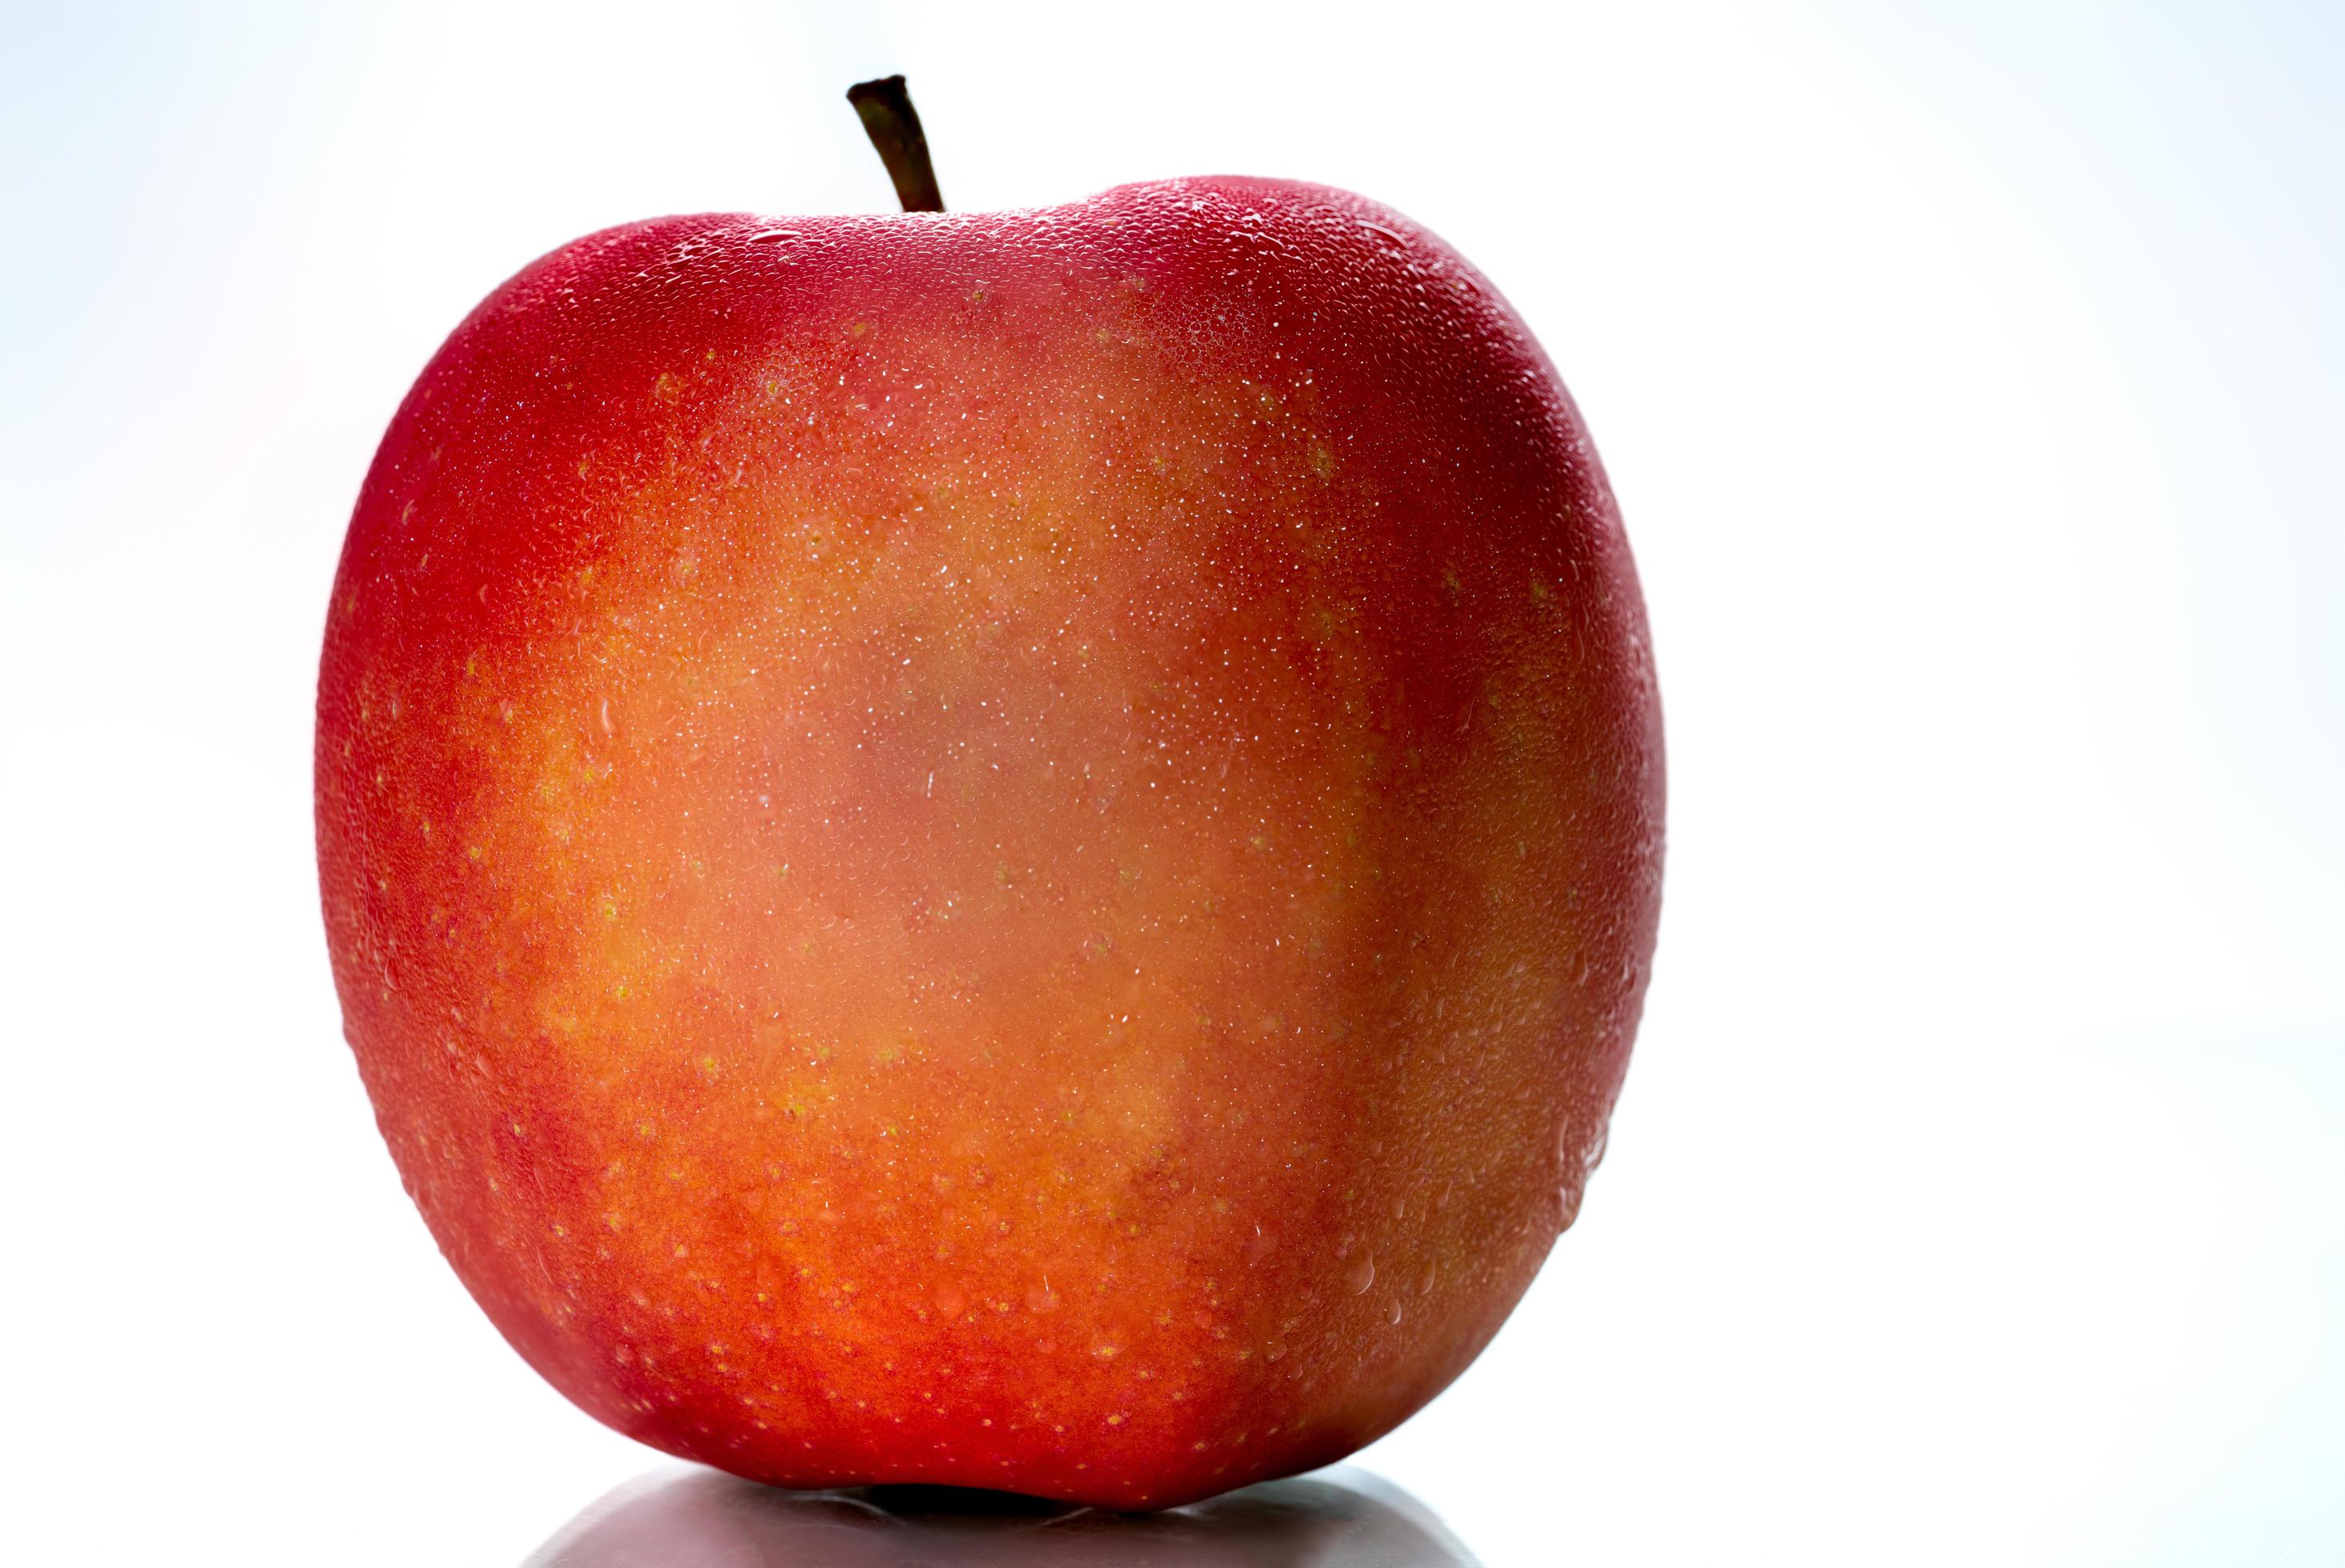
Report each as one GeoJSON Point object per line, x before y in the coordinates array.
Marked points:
{"type": "Point", "coordinates": [1012, 850]}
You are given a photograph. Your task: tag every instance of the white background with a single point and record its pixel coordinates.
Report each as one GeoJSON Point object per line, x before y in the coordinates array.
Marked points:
{"type": "Point", "coordinates": [1972, 376]}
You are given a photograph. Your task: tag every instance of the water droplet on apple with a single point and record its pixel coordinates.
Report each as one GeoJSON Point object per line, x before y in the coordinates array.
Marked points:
{"type": "Point", "coordinates": [1567, 1202]}
{"type": "Point", "coordinates": [1361, 1274]}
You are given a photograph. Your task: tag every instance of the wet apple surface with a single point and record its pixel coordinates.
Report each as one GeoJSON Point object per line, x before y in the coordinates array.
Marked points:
{"type": "Point", "coordinates": [1011, 850]}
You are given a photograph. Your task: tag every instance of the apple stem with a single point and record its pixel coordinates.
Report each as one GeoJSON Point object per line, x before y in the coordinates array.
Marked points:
{"type": "Point", "coordinates": [894, 128]}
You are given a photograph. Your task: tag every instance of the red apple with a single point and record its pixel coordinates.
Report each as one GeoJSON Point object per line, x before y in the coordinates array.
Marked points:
{"type": "Point", "coordinates": [1013, 850]}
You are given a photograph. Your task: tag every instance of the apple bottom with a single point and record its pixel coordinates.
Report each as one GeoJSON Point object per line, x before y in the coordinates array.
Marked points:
{"type": "Point", "coordinates": [1024, 1400]}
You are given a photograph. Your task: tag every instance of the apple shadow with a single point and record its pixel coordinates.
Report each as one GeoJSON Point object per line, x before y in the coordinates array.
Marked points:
{"type": "Point", "coordinates": [1340, 1518]}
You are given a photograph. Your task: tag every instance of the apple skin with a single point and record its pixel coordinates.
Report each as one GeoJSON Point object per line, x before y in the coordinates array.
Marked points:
{"type": "Point", "coordinates": [1014, 850]}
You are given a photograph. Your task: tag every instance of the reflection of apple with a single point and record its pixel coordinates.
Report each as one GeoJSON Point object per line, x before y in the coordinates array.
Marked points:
{"type": "Point", "coordinates": [1014, 850]}
{"type": "Point", "coordinates": [693, 1519]}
